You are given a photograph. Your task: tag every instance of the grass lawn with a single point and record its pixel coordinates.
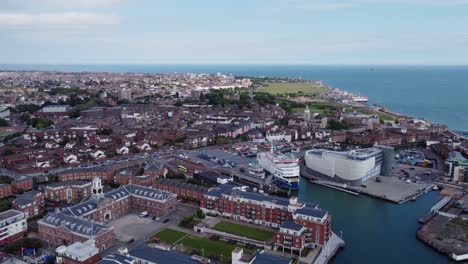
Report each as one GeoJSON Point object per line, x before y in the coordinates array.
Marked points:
{"type": "Point", "coordinates": [201, 246]}
{"type": "Point", "coordinates": [323, 108]}
{"type": "Point", "coordinates": [170, 236]}
{"type": "Point", "coordinates": [242, 230]}
{"type": "Point", "coordinates": [210, 247]}
{"type": "Point", "coordinates": [293, 87]}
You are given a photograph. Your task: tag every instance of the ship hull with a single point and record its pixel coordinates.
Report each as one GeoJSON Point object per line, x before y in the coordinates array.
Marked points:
{"type": "Point", "coordinates": [283, 184]}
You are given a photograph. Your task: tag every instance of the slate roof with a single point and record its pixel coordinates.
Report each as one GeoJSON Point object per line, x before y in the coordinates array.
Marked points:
{"type": "Point", "coordinates": [148, 192]}
{"type": "Point", "coordinates": [289, 224]}
{"type": "Point", "coordinates": [26, 198]}
{"type": "Point", "coordinates": [183, 185]}
{"type": "Point", "coordinates": [67, 183]}
{"type": "Point", "coordinates": [74, 224]}
{"type": "Point", "coordinates": [160, 256]}
{"type": "Point", "coordinates": [262, 257]}
{"type": "Point", "coordinates": [313, 212]}
{"type": "Point", "coordinates": [82, 208]}
{"type": "Point", "coordinates": [116, 259]}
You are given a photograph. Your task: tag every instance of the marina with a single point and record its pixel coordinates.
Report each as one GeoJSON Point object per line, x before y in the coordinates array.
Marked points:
{"type": "Point", "coordinates": [375, 230]}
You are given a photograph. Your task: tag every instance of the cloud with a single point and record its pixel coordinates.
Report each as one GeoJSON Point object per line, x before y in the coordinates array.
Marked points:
{"type": "Point", "coordinates": [56, 19]}
{"type": "Point", "coordinates": [323, 5]}
{"type": "Point", "coordinates": [57, 4]}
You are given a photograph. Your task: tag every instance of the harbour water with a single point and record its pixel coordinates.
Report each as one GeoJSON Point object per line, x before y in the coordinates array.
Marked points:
{"type": "Point", "coordinates": [375, 231]}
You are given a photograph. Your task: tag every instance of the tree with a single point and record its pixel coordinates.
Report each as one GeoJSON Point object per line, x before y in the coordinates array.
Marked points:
{"type": "Point", "coordinates": [17, 245]}
{"type": "Point", "coordinates": [7, 152]}
{"type": "Point", "coordinates": [3, 122]}
{"type": "Point", "coordinates": [25, 117]}
{"type": "Point", "coordinates": [381, 121]}
{"type": "Point", "coordinates": [337, 125]}
{"type": "Point", "coordinates": [105, 131]}
{"type": "Point", "coordinates": [40, 122]}
{"type": "Point", "coordinates": [123, 101]}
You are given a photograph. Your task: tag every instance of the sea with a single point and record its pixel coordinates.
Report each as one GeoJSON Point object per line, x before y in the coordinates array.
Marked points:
{"type": "Point", "coordinates": [374, 231]}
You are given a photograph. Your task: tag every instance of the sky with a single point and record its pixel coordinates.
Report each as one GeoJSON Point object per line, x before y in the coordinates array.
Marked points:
{"type": "Point", "coordinates": [420, 32]}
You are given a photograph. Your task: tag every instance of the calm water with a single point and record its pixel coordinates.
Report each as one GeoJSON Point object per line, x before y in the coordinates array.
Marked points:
{"type": "Point", "coordinates": [375, 231]}
{"type": "Point", "coordinates": [436, 93]}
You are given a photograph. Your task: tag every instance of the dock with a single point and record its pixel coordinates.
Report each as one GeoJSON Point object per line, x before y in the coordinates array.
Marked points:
{"type": "Point", "coordinates": [389, 189]}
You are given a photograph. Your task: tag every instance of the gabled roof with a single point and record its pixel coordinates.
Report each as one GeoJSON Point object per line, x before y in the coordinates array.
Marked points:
{"type": "Point", "coordinates": [81, 226]}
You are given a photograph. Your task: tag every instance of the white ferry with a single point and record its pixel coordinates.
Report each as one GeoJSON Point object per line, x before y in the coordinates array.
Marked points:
{"type": "Point", "coordinates": [285, 170]}
{"type": "Point", "coordinates": [360, 98]}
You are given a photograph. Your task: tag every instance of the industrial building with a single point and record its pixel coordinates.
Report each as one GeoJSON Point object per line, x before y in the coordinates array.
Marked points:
{"type": "Point", "coordinates": [352, 167]}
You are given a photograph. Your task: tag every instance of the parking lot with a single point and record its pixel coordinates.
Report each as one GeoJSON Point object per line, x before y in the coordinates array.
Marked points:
{"type": "Point", "coordinates": [131, 229]}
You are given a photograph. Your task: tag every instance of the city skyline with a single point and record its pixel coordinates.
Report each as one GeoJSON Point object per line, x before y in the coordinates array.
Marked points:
{"type": "Point", "coordinates": [211, 32]}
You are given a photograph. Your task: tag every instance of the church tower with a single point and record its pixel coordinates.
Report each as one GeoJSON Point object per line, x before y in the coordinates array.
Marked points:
{"type": "Point", "coordinates": [96, 188]}
{"type": "Point", "coordinates": [306, 114]}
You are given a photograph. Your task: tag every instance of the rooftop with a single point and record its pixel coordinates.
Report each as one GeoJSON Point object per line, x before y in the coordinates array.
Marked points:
{"type": "Point", "coordinates": [9, 214]}
{"type": "Point", "coordinates": [116, 259]}
{"type": "Point", "coordinates": [160, 256]}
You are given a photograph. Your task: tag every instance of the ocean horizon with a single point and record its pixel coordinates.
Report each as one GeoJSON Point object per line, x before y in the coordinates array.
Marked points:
{"type": "Point", "coordinates": [432, 92]}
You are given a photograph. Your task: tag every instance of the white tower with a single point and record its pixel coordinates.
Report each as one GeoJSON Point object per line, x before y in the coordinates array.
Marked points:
{"type": "Point", "coordinates": [96, 188]}
{"type": "Point", "coordinates": [306, 114]}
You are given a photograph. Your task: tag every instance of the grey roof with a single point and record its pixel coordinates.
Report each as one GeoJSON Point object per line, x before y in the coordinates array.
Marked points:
{"type": "Point", "coordinates": [12, 174]}
{"type": "Point", "coordinates": [82, 208]}
{"type": "Point", "coordinates": [155, 165]}
{"type": "Point", "coordinates": [74, 224]}
{"type": "Point", "coordinates": [160, 256]}
{"type": "Point", "coordinates": [117, 193]}
{"type": "Point", "coordinates": [116, 259]}
{"type": "Point", "coordinates": [289, 224]}
{"type": "Point", "coordinates": [9, 214]}
{"type": "Point", "coordinates": [318, 213]}
{"type": "Point", "coordinates": [148, 192]}
{"type": "Point", "coordinates": [80, 169]}
{"type": "Point", "coordinates": [26, 198]}
{"type": "Point", "coordinates": [182, 184]}
{"type": "Point", "coordinates": [262, 257]}
{"type": "Point", "coordinates": [67, 183]}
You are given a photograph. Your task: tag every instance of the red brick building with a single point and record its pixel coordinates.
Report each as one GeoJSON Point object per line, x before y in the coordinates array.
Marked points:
{"type": "Point", "coordinates": [5, 190]}
{"type": "Point", "coordinates": [64, 229]}
{"type": "Point", "coordinates": [142, 180]}
{"type": "Point", "coordinates": [88, 174]}
{"type": "Point", "coordinates": [67, 191]}
{"type": "Point", "coordinates": [22, 183]}
{"type": "Point", "coordinates": [59, 228]}
{"type": "Point", "coordinates": [31, 203]}
{"type": "Point", "coordinates": [298, 223]}
{"type": "Point", "coordinates": [184, 190]}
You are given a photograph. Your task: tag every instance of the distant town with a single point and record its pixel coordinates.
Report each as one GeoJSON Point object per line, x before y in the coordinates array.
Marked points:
{"type": "Point", "coordinates": [205, 168]}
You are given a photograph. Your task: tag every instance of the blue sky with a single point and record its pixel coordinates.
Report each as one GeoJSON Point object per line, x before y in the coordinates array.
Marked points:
{"type": "Point", "coordinates": [427, 32]}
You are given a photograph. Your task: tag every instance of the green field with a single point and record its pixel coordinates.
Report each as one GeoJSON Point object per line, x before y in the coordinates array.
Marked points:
{"type": "Point", "coordinates": [170, 236]}
{"type": "Point", "coordinates": [323, 108]}
{"type": "Point", "coordinates": [201, 246]}
{"type": "Point", "coordinates": [244, 231]}
{"type": "Point", "coordinates": [293, 88]}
